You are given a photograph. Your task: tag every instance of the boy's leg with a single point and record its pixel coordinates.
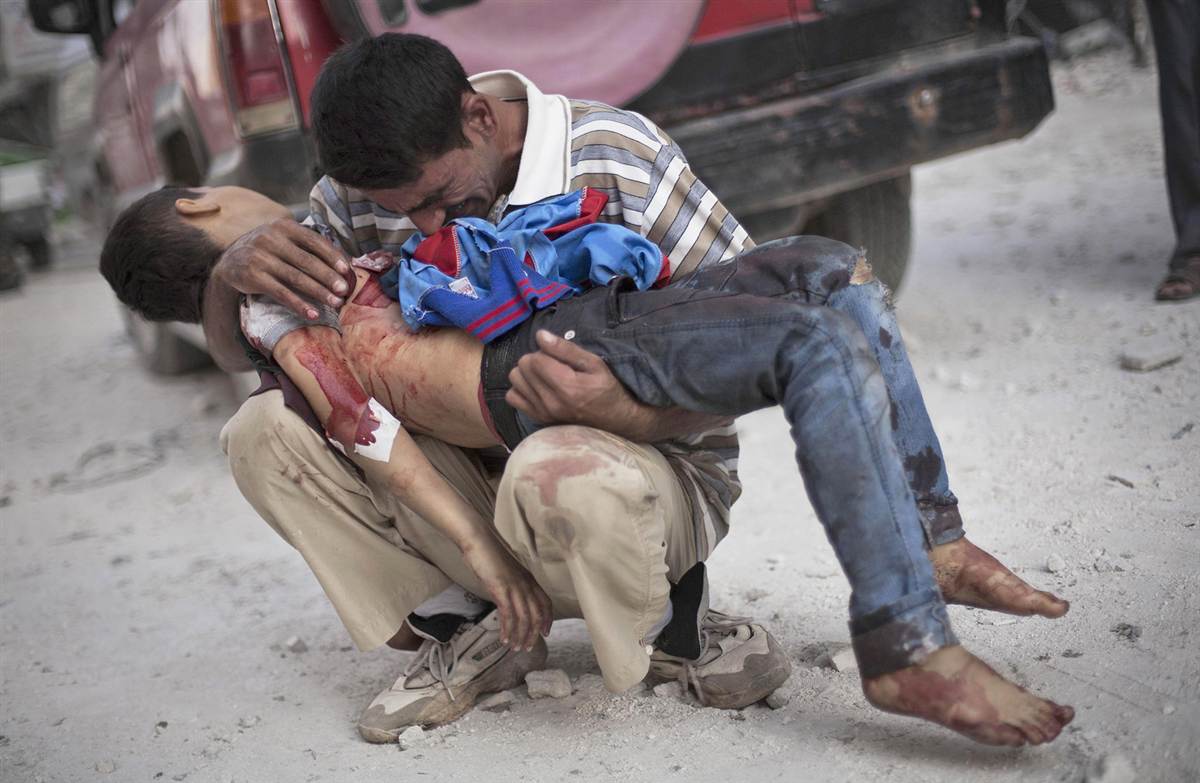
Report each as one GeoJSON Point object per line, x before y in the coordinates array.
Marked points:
{"type": "Point", "coordinates": [730, 354]}
{"type": "Point", "coordinates": [822, 271]}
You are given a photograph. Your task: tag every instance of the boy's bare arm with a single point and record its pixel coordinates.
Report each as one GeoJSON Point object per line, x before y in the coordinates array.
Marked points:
{"type": "Point", "coordinates": [314, 359]}
{"type": "Point", "coordinates": [280, 259]}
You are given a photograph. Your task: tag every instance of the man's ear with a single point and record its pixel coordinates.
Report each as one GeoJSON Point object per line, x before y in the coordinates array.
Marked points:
{"type": "Point", "coordinates": [198, 207]}
{"type": "Point", "coordinates": [478, 115]}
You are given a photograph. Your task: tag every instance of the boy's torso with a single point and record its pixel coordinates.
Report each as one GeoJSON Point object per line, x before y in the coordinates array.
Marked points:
{"type": "Point", "coordinates": [427, 379]}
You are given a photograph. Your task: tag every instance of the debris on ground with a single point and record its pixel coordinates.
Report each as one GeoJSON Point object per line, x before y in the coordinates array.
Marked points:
{"type": "Point", "coordinates": [411, 737]}
{"type": "Point", "coordinates": [843, 659]}
{"type": "Point", "coordinates": [1150, 353]}
{"type": "Point", "coordinates": [1113, 768]}
{"type": "Point", "coordinates": [1184, 430]}
{"type": "Point", "coordinates": [552, 683]}
{"type": "Point", "coordinates": [1124, 482]}
{"type": "Point", "coordinates": [778, 699]}
{"type": "Point", "coordinates": [668, 690]}
{"type": "Point", "coordinates": [1055, 563]}
{"type": "Point", "coordinates": [295, 644]}
{"type": "Point", "coordinates": [497, 702]}
{"type": "Point", "coordinates": [1127, 631]}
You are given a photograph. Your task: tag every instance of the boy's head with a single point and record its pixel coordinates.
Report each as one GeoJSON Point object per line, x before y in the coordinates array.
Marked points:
{"type": "Point", "coordinates": [161, 250]}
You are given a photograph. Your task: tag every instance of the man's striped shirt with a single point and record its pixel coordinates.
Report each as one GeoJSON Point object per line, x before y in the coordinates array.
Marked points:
{"type": "Point", "coordinates": [651, 190]}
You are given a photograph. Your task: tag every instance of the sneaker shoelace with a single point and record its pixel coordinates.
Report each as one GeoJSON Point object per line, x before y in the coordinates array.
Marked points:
{"type": "Point", "coordinates": [712, 625]}
{"type": "Point", "coordinates": [438, 658]}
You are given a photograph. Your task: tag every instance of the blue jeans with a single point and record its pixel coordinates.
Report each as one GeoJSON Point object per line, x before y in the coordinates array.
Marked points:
{"type": "Point", "coordinates": [820, 271]}
{"type": "Point", "coordinates": [706, 344]}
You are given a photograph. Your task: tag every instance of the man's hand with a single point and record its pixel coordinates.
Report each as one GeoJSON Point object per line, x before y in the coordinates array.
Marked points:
{"type": "Point", "coordinates": [525, 609]}
{"type": "Point", "coordinates": [565, 384]}
{"type": "Point", "coordinates": [288, 263]}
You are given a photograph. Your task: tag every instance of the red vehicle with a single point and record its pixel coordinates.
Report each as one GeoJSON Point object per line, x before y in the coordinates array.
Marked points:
{"type": "Point", "coordinates": [797, 113]}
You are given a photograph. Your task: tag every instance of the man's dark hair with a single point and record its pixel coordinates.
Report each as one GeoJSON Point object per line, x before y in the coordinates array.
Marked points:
{"type": "Point", "coordinates": [384, 107]}
{"type": "Point", "coordinates": [156, 263]}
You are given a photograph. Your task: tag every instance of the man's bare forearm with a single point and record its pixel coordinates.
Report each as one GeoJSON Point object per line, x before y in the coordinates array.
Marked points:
{"type": "Point", "coordinates": [221, 326]}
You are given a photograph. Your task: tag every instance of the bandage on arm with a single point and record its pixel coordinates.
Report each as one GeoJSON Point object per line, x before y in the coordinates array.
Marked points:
{"type": "Point", "coordinates": [314, 359]}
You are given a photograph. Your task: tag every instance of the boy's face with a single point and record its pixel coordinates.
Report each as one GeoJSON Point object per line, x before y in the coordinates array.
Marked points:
{"type": "Point", "coordinates": [227, 212]}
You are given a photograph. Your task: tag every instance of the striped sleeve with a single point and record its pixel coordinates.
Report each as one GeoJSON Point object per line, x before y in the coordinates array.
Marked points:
{"type": "Point", "coordinates": [346, 216]}
{"type": "Point", "coordinates": [651, 188]}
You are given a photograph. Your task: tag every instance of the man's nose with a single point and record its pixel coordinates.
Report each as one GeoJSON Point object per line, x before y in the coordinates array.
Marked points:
{"type": "Point", "coordinates": [428, 221]}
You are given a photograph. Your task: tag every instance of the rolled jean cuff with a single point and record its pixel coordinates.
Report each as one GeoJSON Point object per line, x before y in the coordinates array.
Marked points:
{"type": "Point", "coordinates": [941, 521]}
{"type": "Point", "coordinates": [901, 635]}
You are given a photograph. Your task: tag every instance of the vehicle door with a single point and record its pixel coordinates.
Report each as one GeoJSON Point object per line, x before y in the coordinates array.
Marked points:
{"type": "Point", "coordinates": [127, 160]}
{"type": "Point", "coordinates": [607, 51]}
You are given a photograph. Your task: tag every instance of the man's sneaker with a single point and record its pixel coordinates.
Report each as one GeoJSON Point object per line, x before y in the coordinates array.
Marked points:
{"type": "Point", "coordinates": [729, 662]}
{"type": "Point", "coordinates": [444, 679]}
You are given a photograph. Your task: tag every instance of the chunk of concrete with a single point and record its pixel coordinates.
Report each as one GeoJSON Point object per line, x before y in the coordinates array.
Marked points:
{"type": "Point", "coordinates": [1055, 563]}
{"type": "Point", "coordinates": [1150, 353]}
{"type": "Point", "coordinates": [777, 699]}
{"type": "Point", "coordinates": [552, 683]}
{"type": "Point", "coordinates": [411, 737]}
{"type": "Point", "coordinates": [843, 659]}
{"type": "Point", "coordinates": [1113, 768]}
{"type": "Point", "coordinates": [295, 644]}
{"type": "Point", "coordinates": [668, 690]}
{"type": "Point", "coordinates": [497, 702]}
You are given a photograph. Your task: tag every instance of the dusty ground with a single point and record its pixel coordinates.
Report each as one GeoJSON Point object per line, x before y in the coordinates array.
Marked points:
{"type": "Point", "coordinates": [144, 608]}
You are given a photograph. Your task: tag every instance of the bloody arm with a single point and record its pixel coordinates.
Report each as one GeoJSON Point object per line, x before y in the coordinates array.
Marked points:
{"type": "Point", "coordinates": [315, 361]}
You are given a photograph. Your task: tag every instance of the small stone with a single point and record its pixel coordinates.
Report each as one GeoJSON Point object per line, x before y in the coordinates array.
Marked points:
{"type": "Point", "coordinates": [668, 690]}
{"type": "Point", "coordinates": [589, 683]}
{"type": "Point", "coordinates": [1055, 563]}
{"type": "Point", "coordinates": [1105, 565]}
{"type": "Point", "coordinates": [296, 644]}
{"type": "Point", "coordinates": [497, 702]}
{"type": "Point", "coordinates": [1128, 632]}
{"type": "Point", "coordinates": [777, 699]}
{"type": "Point", "coordinates": [1071, 654]}
{"type": "Point", "coordinates": [411, 737]}
{"type": "Point", "coordinates": [553, 683]}
{"type": "Point", "coordinates": [1150, 353]}
{"type": "Point", "coordinates": [249, 721]}
{"type": "Point", "coordinates": [843, 660]}
{"type": "Point", "coordinates": [1113, 768]}
{"type": "Point", "coordinates": [1168, 709]}
{"type": "Point", "coordinates": [106, 767]}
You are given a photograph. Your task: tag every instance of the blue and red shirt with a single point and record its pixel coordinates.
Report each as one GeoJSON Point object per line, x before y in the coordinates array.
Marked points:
{"type": "Point", "coordinates": [486, 278]}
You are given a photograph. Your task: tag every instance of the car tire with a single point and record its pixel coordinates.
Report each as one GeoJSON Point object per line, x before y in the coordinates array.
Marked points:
{"type": "Point", "coordinates": [877, 218]}
{"type": "Point", "coordinates": [40, 254]}
{"type": "Point", "coordinates": [161, 351]}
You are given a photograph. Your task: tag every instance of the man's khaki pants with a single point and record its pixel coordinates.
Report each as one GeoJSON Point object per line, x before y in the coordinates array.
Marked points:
{"type": "Point", "coordinates": [602, 524]}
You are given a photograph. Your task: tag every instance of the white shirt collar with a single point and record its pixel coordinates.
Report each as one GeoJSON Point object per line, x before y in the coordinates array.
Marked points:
{"type": "Point", "coordinates": [546, 156]}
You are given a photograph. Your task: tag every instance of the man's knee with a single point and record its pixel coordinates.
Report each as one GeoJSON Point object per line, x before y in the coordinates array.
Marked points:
{"type": "Point", "coordinates": [576, 477]}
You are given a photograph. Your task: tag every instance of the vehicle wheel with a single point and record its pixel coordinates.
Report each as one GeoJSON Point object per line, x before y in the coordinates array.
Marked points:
{"type": "Point", "coordinates": [11, 275]}
{"type": "Point", "coordinates": [876, 217]}
{"type": "Point", "coordinates": [162, 352]}
{"type": "Point", "coordinates": [40, 254]}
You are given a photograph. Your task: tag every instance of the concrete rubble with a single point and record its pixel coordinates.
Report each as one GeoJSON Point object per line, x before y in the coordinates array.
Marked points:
{"type": "Point", "coordinates": [548, 683]}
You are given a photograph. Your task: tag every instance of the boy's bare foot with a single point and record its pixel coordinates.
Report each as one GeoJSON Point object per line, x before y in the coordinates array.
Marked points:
{"type": "Point", "coordinates": [968, 575]}
{"type": "Point", "coordinates": [957, 690]}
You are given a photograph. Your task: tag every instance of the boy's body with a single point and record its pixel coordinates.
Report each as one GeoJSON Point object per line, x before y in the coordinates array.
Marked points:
{"type": "Point", "coordinates": [928, 677]}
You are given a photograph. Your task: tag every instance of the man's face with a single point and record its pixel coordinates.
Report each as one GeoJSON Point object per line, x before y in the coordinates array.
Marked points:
{"type": "Point", "coordinates": [226, 213]}
{"type": "Point", "coordinates": [461, 183]}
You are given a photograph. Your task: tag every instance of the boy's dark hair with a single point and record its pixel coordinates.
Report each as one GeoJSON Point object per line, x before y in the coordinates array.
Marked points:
{"type": "Point", "coordinates": [384, 107]}
{"type": "Point", "coordinates": [156, 263]}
